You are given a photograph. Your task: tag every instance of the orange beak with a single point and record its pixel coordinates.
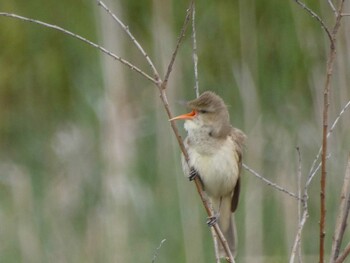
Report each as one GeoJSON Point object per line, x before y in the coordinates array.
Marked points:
{"type": "Point", "coordinates": [186, 116]}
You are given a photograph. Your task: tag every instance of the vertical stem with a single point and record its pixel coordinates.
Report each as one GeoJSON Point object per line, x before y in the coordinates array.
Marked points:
{"type": "Point", "coordinates": [330, 64]}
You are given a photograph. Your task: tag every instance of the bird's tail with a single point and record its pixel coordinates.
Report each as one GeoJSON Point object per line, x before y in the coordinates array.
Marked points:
{"type": "Point", "coordinates": [230, 233]}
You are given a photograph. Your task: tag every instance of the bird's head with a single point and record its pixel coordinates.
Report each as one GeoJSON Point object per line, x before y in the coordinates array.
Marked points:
{"type": "Point", "coordinates": [208, 111]}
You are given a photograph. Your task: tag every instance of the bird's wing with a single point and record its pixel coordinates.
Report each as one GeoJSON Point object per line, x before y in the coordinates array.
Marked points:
{"type": "Point", "coordinates": [235, 197]}
{"type": "Point", "coordinates": [238, 137]}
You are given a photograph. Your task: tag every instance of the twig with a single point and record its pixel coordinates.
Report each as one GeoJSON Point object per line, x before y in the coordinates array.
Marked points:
{"type": "Point", "coordinates": [316, 16]}
{"type": "Point", "coordinates": [332, 7]}
{"type": "Point", "coordinates": [179, 41]}
{"type": "Point", "coordinates": [342, 215]}
{"type": "Point", "coordinates": [109, 53]}
{"type": "Point", "coordinates": [276, 186]}
{"type": "Point", "coordinates": [137, 44]}
{"type": "Point", "coordinates": [216, 245]}
{"type": "Point", "coordinates": [194, 52]}
{"type": "Point", "coordinates": [301, 219]}
{"type": "Point", "coordinates": [308, 182]}
{"type": "Point", "coordinates": [312, 171]}
{"type": "Point", "coordinates": [155, 255]}
{"type": "Point", "coordinates": [344, 255]}
{"type": "Point", "coordinates": [300, 229]}
{"type": "Point", "coordinates": [300, 202]}
{"type": "Point", "coordinates": [345, 14]}
{"type": "Point", "coordinates": [327, 87]}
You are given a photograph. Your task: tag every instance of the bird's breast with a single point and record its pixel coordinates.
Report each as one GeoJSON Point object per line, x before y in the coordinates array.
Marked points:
{"type": "Point", "coordinates": [218, 166]}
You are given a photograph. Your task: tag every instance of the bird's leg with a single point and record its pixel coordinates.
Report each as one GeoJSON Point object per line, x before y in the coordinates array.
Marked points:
{"type": "Point", "coordinates": [212, 220]}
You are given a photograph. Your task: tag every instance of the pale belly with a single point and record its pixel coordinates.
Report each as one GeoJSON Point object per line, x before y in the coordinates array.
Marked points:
{"type": "Point", "coordinates": [218, 170]}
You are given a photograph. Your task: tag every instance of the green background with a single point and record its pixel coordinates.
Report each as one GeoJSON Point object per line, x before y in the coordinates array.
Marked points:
{"type": "Point", "coordinates": [89, 168]}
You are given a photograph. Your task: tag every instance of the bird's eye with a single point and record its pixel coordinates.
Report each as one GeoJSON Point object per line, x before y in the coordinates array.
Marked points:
{"type": "Point", "coordinates": [203, 111]}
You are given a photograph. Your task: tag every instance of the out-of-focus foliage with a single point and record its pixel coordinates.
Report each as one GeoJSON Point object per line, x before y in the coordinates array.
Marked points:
{"type": "Point", "coordinates": [89, 170]}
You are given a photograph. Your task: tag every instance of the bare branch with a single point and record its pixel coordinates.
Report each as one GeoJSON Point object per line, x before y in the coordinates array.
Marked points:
{"type": "Point", "coordinates": [342, 215]}
{"type": "Point", "coordinates": [179, 41]}
{"type": "Point", "coordinates": [308, 182]}
{"type": "Point", "coordinates": [344, 255]}
{"type": "Point", "coordinates": [157, 250]}
{"type": "Point", "coordinates": [279, 188]}
{"type": "Point", "coordinates": [194, 52]}
{"type": "Point", "coordinates": [312, 172]}
{"type": "Point", "coordinates": [216, 245]}
{"type": "Point", "coordinates": [123, 61]}
{"type": "Point", "coordinates": [299, 232]}
{"type": "Point", "coordinates": [317, 17]}
{"type": "Point", "coordinates": [332, 7]}
{"type": "Point", "coordinates": [300, 218]}
{"type": "Point", "coordinates": [326, 95]}
{"type": "Point", "coordinates": [137, 44]}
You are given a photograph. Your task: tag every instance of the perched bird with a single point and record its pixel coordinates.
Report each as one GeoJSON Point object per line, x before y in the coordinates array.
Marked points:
{"type": "Point", "coordinates": [215, 153]}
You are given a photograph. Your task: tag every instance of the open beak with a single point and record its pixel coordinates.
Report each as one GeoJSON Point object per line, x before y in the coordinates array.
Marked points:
{"type": "Point", "coordinates": [186, 116]}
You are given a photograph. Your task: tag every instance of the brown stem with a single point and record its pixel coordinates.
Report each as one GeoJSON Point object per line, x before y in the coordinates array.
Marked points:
{"type": "Point", "coordinates": [179, 41]}
{"type": "Point", "coordinates": [330, 65]}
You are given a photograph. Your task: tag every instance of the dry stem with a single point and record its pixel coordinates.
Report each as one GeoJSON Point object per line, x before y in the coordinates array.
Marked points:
{"type": "Point", "coordinates": [316, 16]}
{"type": "Point", "coordinates": [342, 215]}
{"type": "Point", "coordinates": [274, 185]}
{"type": "Point", "coordinates": [344, 255]}
{"type": "Point", "coordinates": [109, 53]}
{"type": "Point", "coordinates": [313, 171]}
{"type": "Point", "coordinates": [137, 44]}
{"type": "Point", "coordinates": [179, 41]}
{"type": "Point", "coordinates": [157, 250]}
{"type": "Point", "coordinates": [329, 73]}
{"type": "Point", "coordinates": [194, 52]}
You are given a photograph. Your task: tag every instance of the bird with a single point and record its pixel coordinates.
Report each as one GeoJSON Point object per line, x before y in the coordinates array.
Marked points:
{"type": "Point", "coordinates": [215, 151]}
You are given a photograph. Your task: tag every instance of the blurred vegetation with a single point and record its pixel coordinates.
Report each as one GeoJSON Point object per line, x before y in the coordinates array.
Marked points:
{"type": "Point", "coordinates": [89, 170]}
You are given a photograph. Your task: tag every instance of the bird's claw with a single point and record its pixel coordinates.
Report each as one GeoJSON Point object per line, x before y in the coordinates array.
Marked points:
{"type": "Point", "coordinates": [212, 220]}
{"type": "Point", "coordinates": [193, 174]}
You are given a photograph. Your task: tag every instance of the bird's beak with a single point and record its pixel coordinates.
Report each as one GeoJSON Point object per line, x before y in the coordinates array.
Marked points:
{"type": "Point", "coordinates": [186, 116]}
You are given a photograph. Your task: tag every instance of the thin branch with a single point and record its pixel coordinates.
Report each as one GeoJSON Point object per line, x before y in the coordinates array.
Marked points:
{"type": "Point", "coordinates": [326, 95]}
{"type": "Point", "coordinates": [137, 44]}
{"type": "Point", "coordinates": [316, 16]}
{"type": "Point", "coordinates": [299, 232]}
{"type": "Point", "coordinates": [194, 52]}
{"type": "Point", "coordinates": [312, 172]}
{"type": "Point", "coordinates": [308, 182]}
{"type": "Point", "coordinates": [157, 250]}
{"type": "Point", "coordinates": [216, 245]}
{"type": "Point", "coordinates": [332, 7]}
{"type": "Point", "coordinates": [345, 14]}
{"type": "Point", "coordinates": [276, 186]}
{"type": "Point", "coordinates": [107, 52]}
{"type": "Point", "coordinates": [300, 218]}
{"type": "Point", "coordinates": [179, 41]}
{"type": "Point", "coordinates": [344, 255]}
{"type": "Point", "coordinates": [342, 215]}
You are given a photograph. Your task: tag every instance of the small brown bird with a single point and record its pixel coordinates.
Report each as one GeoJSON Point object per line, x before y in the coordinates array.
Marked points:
{"type": "Point", "coordinates": [215, 152]}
